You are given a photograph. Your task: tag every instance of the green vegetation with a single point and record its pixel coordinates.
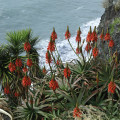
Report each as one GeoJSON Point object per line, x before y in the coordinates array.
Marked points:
{"type": "Point", "coordinates": [114, 23]}
{"type": "Point", "coordinates": [84, 89]}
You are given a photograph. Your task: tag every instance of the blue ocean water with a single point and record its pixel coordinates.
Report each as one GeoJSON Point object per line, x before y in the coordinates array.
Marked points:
{"type": "Point", "coordinates": [42, 15]}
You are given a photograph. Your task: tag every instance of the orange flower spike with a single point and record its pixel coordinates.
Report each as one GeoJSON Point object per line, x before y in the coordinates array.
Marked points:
{"type": "Point", "coordinates": [58, 62]}
{"type": "Point", "coordinates": [78, 38]}
{"type": "Point", "coordinates": [67, 72]}
{"type": "Point", "coordinates": [29, 62]}
{"type": "Point", "coordinates": [16, 94]}
{"type": "Point", "coordinates": [111, 43]}
{"type": "Point", "coordinates": [48, 57]}
{"type": "Point", "coordinates": [18, 62]}
{"type": "Point", "coordinates": [25, 69]}
{"type": "Point", "coordinates": [12, 67]}
{"type": "Point", "coordinates": [95, 52]}
{"type": "Point", "coordinates": [77, 112]}
{"type": "Point", "coordinates": [67, 33]}
{"type": "Point", "coordinates": [79, 31]}
{"type": "Point", "coordinates": [111, 87]}
{"type": "Point", "coordinates": [26, 81]}
{"type": "Point", "coordinates": [88, 39]}
{"type": "Point", "coordinates": [27, 46]}
{"type": "Point", "coordinates": [53, 84]}
{"type": "Point", "coordinates": [88, 47]}
{"type": "Point", "coordinates": [77, 50]}
{"type": "Point", "coordinates": [107, 36]}
{"type": "Point", "coordinates": [7, 90]}
{"type": "Point", "coordinates": [51, 45]}
{"type": "Point", "coordinates": [94, 35]}
{"type": "Point", "coordinates": [102, 35]}
{"type": "Point", "coordinates": [44, 70]}
{"type": "Point", "coordinates": [54, 34]}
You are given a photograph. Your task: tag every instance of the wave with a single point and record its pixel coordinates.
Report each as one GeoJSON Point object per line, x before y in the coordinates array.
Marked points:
{"type": "Point", "coordinates": [63, 47]}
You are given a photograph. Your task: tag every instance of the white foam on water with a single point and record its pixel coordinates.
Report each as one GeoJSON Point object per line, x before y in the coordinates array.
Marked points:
{"type": "Point", "coordinates": [79, 8]}
{"type": "Point", "coordinates": [63, 47]}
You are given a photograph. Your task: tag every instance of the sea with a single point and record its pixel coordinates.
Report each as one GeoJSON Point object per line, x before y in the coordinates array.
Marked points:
{"type": "Point", "coordinates": [42, 15]}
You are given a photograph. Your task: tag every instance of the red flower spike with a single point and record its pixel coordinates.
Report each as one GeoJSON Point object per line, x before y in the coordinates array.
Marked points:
{"type": "Point", "coordinates": [67, 72]}
{"type": "Point", "coordinates": [27, 46]}
{"type": "Point", "coordinates": [16, 94]}
{"type": "Point", "coordinates": [51, 45]}
{"type": "Point", "coordinates": [77, 50]}
{"type": "Point", "coordinates": [18, 62]}
{"type": "Point", "coordinates": [111, 87]}
{"type": "Point", "coordinates": [67, 33]}
{"type": "Point", "coordinates": [12, 67]}
{"type": "Point", "coordinates": [107, 36]}
{"type": "Point", "coordinates": [7, 90]}
{"type": "Point", "coordinates": [95, 52]}
{"type": "Point", "coordinates": [26, 81]}
{"type": "Point", "coordinates": [58, 62]}
{"type": "Point", "coordinates": [53, 84]}
{"type": "Point", "coordinates": [48, 57]}
{"type": "Point", "coordinates": [77, 112]}
{"type": "Point", "coordinates": [89, 36]}
{"type": "Point", "coordinates": [111, 43]}
{"type": "Point", "coordinates": [79, 31]}
{"type": "Point", "coordinates": [44, 70]}
{"type": "Point", "coordinates": [88, 47]}
{"type": "Point", "coordinates": [25, 70]}
{"type": "Point", "coordinates": [53, 35]}
{"type": "Point", "coordinates": [78, 38]}
{"type": "Point", "coordinates": [94, 35]}
{"type": "Point", "coordinates": [102, 35]}
{"type": "Point", "coordinates": [29, 62]}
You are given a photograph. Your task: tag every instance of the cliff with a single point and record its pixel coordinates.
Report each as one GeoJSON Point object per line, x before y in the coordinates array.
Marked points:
{"type": "Point", "coordinates": [111, 20]}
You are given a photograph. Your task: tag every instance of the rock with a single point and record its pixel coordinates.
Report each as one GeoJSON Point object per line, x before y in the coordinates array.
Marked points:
{"type": "Point", "coordinates": [111, 20]}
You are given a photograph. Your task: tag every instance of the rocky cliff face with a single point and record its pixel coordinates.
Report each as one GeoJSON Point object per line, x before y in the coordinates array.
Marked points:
{"type": "Point", "coordinates": [111, 20]}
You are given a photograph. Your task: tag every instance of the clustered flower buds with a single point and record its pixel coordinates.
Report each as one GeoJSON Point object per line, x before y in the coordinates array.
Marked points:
{"type": "Point", "coordinates": [18, 62]}
{"type": "Point", "coordinates": [53, 84]}
{"type": "Point", "coordinates": [12, 67]}
{"type": "Point", "coordinates": [27, 46]}
{"type": "Point", "coordinates": [107, 36]}
{"type": "Point", "coordinates": [29, 62]}
{"type": "Point", "coordinates": [16, 94]}
{"type": "Point", "coordinates": [67, 33]}
{"type": "Point", "coordinates": [25, 69]}
{"type": "Point", "coordinates": [44, 70]}
{"type": "Point", "coordinates": [77, 112]}
{"type": "Point", "coordinates": [111, 87]}
{"type": "Point", "coordinates": [67, 72]}
{"type": "Point", "coordinates": [54, 35]}
{"type": "Point", "coordinates": [26, 81]}
{"type": "Point", "coordinates": [95, 52]}
{"type": "Point", "coordinates": [48, 57]}
{"type": "Point", "coordinates": [51, 45]}
{"type": "Point", "coordinates": [7, 90]}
